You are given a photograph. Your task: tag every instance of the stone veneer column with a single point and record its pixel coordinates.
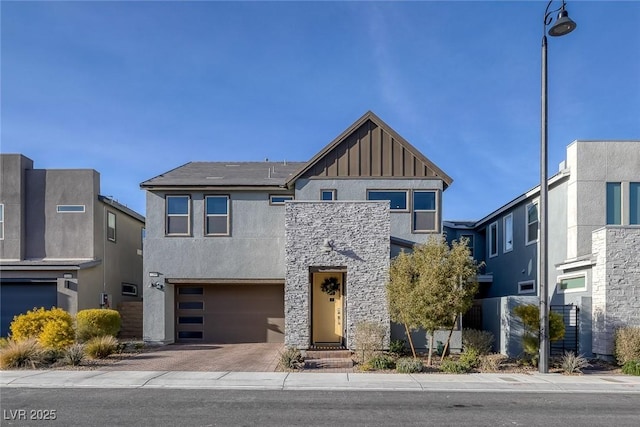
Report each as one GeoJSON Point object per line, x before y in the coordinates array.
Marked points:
{"type": "Point", "coordinates": [360, 232]}
{"type": "Point", "coordinates": [616, 284]}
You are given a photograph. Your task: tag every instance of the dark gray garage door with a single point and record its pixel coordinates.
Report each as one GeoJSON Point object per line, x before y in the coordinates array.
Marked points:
{"type": "Point", "coordinates": [230, 313]}
{"type": "Point", "coordinates": [19, 297]}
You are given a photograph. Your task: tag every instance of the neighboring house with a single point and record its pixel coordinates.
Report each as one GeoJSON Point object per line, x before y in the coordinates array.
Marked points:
{"type": "Point", "coordinates": [63, 244]}
{"type": "Point", "coordinates": [241, 251]}
{"type": "Point", "coordinates": [594, 250]}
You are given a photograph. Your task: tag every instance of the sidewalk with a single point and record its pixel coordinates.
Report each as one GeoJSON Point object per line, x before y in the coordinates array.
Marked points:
{"type": "Point", "coordinates": [542, 383]}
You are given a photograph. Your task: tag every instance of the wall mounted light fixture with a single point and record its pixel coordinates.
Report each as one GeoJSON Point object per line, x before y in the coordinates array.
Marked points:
{"type": "Point", "coordinates": [157, 284]}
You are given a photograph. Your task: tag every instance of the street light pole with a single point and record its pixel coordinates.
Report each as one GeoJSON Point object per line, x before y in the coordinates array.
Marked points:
{"type": "Point", "coordinates": [563, 25]}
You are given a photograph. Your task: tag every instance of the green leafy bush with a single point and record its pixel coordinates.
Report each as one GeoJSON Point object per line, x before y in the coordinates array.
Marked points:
{"type": "Point", "coordinates": [453, 367]}
{"type": "Point", "coordinates": [26, 353]}
{"type": "Point", "coordinates": [290, 359]}
{"type": "Point", "coordinates": [480, 341]}
{"type": "Point", "coordinates": [398, 347]}
{"type": "Point", "coordinates": [101, 347]}
{"type": "Point", "coordinates": [627, 344]}
{"type": "Point", "coordinates": [97, 322]}
{"type": "Point", "coordinates": [74, 355]}
{"type": "Point", "coordinates": [408, 365]}
{"type": "Point", "coordinates": [469, 358]}
{"type": "Point", "coordinates": [381, 362]}
{"type": "Point", "coordinates": [632, 367]}
{"type": "Point", "coordinates": [574, 364]}
{"type": "Point", "coordinates": [529, 314]}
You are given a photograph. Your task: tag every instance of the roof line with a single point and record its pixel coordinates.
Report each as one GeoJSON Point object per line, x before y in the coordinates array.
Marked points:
{"type": "Point", "coordinates": [142, 184]}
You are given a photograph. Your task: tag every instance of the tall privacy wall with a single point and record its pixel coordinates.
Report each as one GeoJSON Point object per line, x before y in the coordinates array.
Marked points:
{"type": "Point", "coordinates": [361, 245]}
{"type": "Point", "coordinates": [616, 284]}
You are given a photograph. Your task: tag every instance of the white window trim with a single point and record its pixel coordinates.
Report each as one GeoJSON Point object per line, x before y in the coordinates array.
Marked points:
{"type": "Point", "coordinates": [395, 190]}
{"type": "Point", "coordinates": [333, 191]}
{"type": "Point", "coordinates": [507, 246]}
{"type": "Point", "coordinates": [228, 215]}
{"type": "Point", "coordinates": [490, 240]}
{"type": "Point", "coordinates": [167, 215]}
{"type": "Point", "coordinates": [571, 276]}
{"type": "Point", "coordinates": [272, 203]}
{"type": "Point", "coordinates": [2, 221]}
{"type": "Point", "coordinates": [134, 288]}
{"type": "Point", "coordinates": [527, 241]}
{"type": "Point", "coordinates": [114, 226]}
{"type": "Point", "coordinates": [70, 212]}
{"type": "Point", "coordinates": [526, 282]}
{"type": "Point", "coordinates": [435, 211]}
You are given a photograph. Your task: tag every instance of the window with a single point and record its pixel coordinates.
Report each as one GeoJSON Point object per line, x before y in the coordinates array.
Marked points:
{"type": "Point", "coordinates": [397, 199]}
{"type": "Point", "coordinates": [111, 226]}
{"type": "Point", "coordinates": [279, 200]}
{"type": "Point", "coordinates": [129, 289]}
{"type": "Point", "coordinates": [190, 335]}
{"type": "Point", "coordinates": [190, 319]}
{"type": "Point", "coordinates": [1, 222]}
{"type": "Point", "coordinates": [532, 223]}
{"type": "Point", "coordinates": [614, 203]}
{"type": "Point", "coordinates": [526, 287]}
{"type": "Point", "coordinates": [191, 305]}
{"type": "Point", "coordinates": [327, 194]}
{"type": "Point", "coordinates": [507, 227]}
{"type": "Point", "coordinates": [217, 215]}
{"type": "Point", "coordinates": [493, 239]}
{"type": "Point", "coordinates": [69, 208]}
{"type": "Point", "coordinates": [425, 216]}
{"type": "Point", "coordinates": [469, 238]}
{"type": "Point", "coordinates": [178, 215]}
{"type": "Point", "coordinates": [572, 283]}
{"type": "Point", "coordinates": [190, 291]}
{"type": "Point", "coordinates": [634, 203]}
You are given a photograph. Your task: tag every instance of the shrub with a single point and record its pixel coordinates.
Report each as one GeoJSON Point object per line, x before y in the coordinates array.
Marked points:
{"type": "Point", "coordinates": [470, 359]}
{"type": "Point", "coordinates": [290, 359]}
{"type": "Point", "coordinates": [574, 364]}
{"type": "Point", "coordinates": [453, 367]}
{"type": "Point", "coordinates": [101, 347]}
{"type": "Point", "coordinates": [398, 347]}
{"type": "Point", "coordinates": [632, 367]}
{"type": "Point", "coordinates": [74, 354]}
{"type": "Point", "coordinates": [529, 314]}
{"type": "Point", "coordinates": [627, 344]}
{"type": "Point", "coordinates": [368, 339]}
{"type": "Point", "coordinates": [491, 362]}
{"type": "Point", "coordinates": [50, 356]}
{"type": "Point", "coordinates": [21, 354]}
{"type": "Point", "coordinates": [381, 361]}
{"type": "Point", "coordinates": [3, 342]}
{"type": "Point", "coordinates": [408, 365]}
{"type": "Point", "coordinates": [58, 333]}
{"type": "Point", "coordinates": [97, 322]}
{"type": "Point", "coordinates": [32, 325]}
{"type": "Point", "coordinates": [480, 341]}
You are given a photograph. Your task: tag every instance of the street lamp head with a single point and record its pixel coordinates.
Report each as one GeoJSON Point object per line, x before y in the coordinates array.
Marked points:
{"type": "Point", "coordinates": [563, 25]}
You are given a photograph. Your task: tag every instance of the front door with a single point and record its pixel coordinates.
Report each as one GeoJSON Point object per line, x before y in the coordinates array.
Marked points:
{"type": "Point", "coordinates": [327, 311]}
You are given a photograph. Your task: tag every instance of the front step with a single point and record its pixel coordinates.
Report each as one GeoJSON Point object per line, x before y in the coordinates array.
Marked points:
{"type": "Point", "coordinates": [328, 354]}
{"type": "Point", "coordinates": [328, 363]}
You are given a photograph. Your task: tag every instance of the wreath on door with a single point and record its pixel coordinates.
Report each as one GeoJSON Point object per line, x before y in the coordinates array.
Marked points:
{"type": "Point", "coordinates": [330, 285]}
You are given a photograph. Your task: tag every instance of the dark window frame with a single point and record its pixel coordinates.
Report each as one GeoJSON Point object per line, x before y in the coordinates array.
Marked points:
{"type": "Point", "coordinates": [167, 215]}
{"type": "Point", "coordinates": [208, 215]}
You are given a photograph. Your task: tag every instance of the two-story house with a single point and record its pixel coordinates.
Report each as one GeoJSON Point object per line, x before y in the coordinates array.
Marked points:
{"type": "Point", "coordinates": [293, 252]}
{"type": "Point", "coordinates": [62, 243]}
{"type": "Point", "coordinates": [593, 250]}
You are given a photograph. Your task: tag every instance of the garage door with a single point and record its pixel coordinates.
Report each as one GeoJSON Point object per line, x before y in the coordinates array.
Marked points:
{"type": "Point", "coordinates": [18, 298]}
{"type": "Point", "coordinates": [230, 313]}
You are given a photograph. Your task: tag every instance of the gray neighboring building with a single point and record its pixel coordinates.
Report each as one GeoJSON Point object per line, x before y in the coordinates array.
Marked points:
{"type": "Point", "coordinates": [63, 244]}
{"type": "Point", "coordinates": [594, 250]}
{"type": "Point", "coordinates": [284, 251]}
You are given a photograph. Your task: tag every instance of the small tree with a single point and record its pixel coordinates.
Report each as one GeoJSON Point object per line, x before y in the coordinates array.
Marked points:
{"type": "Point", "coordinates": [404, 307]}
{"type": "Point", "coordinates": [530, 316]}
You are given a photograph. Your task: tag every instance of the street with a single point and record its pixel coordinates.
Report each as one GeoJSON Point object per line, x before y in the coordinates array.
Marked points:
{"type": "Point", "coordinates": [175, 407]}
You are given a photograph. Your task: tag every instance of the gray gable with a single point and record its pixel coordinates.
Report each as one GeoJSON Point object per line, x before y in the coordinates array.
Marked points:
{"type": "Point", "coordinates": [226, 174]}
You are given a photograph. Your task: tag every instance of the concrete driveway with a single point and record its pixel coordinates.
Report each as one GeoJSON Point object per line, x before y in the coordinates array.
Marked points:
{"type": "Point", "coordinates": [253, 357]}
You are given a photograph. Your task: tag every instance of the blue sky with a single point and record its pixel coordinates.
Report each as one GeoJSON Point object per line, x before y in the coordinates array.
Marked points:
{"type": "Point", "coordinates": [133, 89]}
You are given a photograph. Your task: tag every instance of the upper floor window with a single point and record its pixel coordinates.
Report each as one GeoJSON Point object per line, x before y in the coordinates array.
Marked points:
{"type": "Point", "coordinates": [532, 223]}
{"type": "Point", "coordinates": [327, 194]}
{"type": "Point", "coordinates": [507, 228]}
{"type": "Point", "coordinates": [217, 215]}
{"type": "Point", "coordinates": [614, 203]}
{"type": "Point", "coordinates": [425, 216]}
{"type": "Point", "coordinates": [69, 208]}
{"type": "Point", "coordinates": [493, 239]}
{"type": "Point", "coordinates": [178, 221]}
{"type": "Point", "coordinates": [1, 222]}
{"type": "Point", "coordinates": [634, 203]}
{"type": "Point", "coordinates": [397, 199]}
{"type": "Point", "coordinates": [279, 200]}
{"type": "Point", "coordinates": [111, 226]}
